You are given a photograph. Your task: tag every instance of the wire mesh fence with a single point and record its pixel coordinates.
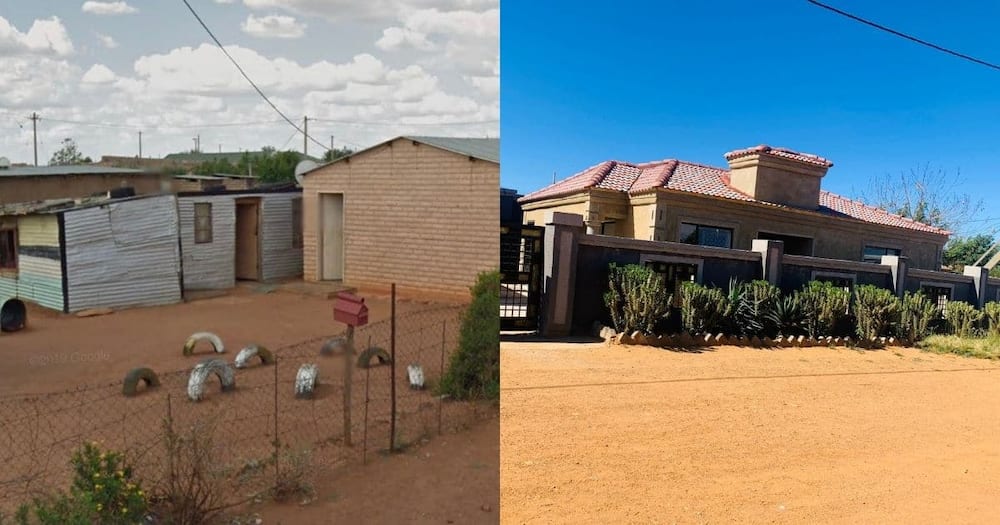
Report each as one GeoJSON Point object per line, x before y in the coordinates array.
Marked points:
{"type": "Point", "coordinates": [255, 434]}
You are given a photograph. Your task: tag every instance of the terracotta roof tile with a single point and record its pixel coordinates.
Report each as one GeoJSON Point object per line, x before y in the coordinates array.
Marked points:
{"type": "Point", "coordinates": [764, 149]}
{"type": "Point", "coordinates": [690, 177]}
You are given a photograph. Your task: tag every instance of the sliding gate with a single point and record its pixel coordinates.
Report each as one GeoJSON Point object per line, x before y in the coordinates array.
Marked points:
{"type": "Point", "coordinates": [520, 276]}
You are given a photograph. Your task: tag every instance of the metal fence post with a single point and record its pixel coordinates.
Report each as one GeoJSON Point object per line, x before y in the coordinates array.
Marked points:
{"type": "Point", "coordinates": [277, 444]}
{"type": "Point", "coordinates": [392, 372]}
{"type": "Point", "coordinates": [364, 449]}
{"type": "Point", "coordinates": [348, 382]}
{"type": "Point", "coordinates": [444, 325]}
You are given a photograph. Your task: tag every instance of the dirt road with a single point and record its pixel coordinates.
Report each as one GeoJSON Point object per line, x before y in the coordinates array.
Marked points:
{"type": "Point", "coordinates": [591, 433]}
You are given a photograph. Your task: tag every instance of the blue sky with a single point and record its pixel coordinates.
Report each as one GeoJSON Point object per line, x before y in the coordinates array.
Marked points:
{"type": "Point", "coordinates": [363, 71]}
{"type": "Point", "coordinates": [691, 80]}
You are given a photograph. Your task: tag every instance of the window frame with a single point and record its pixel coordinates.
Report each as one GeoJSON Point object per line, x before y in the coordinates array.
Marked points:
{"type": "Point", "coordinates": [680, 236]}
{"type": "Point", "coordinates": [648, 259]}
{"type": "Point", "coordinates": [14, 250]}
{"type": "Point", "coordinates": [846, 276]}
{"type": "Point", "coordinates": [199, 232]}
{"type": "Point", "coordinates": [811, 239]}
{"type": "Point", "coordinates": [936, 299]}
{"type": "Point", "coordinates": [866, 246]}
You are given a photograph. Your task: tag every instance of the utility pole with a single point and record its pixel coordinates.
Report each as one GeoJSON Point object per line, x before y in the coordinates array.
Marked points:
{"type": "Point", "coordinates": [331, 142]}
{"type": "Point", "coordinates": [34, 133]}
{"type": "Point", "coordinates": [140, 145]}
{"type": "Point", "coordinates": [305, 135]}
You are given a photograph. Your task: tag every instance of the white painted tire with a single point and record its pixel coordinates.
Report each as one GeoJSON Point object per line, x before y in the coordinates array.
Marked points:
{"type": "Point", "coordinates": [306, 380]}
{"type": "Point", "coordinates": [201, 372]}
{"type": "Point", "coordinates": [249, 352]}
{"type": "Point", "coordinates": [203, 336]}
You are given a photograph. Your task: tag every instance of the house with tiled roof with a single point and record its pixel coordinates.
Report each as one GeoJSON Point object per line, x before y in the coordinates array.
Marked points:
{"type": "Point", "coordinates": [766, 193]}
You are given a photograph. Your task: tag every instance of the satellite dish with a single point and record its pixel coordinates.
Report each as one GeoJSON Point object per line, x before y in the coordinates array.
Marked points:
{"type": "Point", "coordinates": [301, 168]}
{"type": "Point", "coordinates": [4, 163]}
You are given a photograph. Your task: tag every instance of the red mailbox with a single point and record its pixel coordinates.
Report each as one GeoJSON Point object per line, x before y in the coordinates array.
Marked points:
{"type": "Point", "coordinates": [350, 309]}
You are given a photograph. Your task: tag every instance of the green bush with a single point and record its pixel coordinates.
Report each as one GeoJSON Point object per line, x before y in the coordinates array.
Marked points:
{"type": "Point", "coordinates": [703, 309]}
{"type": "Point", "coordinates": [474, 369]}
{"type": "Point", "coordinates": [751, 308]}
{"type": "Point", "coordinates": [963, 318]}
{"type": "Point", "coordinates": [877, 311]}
{"type": "Point", "coordinates": [916, 313]}
{"type": "Point", "coordinates": [787, 315]}
{"type": "Point", "coordinates": [103, 491]}
{"type": "Point", "coordinates": [637, 298]}
{"type": "Point", "coordinates": [992, 312]}
{"type": "Point", "coordinates": [825, 307]}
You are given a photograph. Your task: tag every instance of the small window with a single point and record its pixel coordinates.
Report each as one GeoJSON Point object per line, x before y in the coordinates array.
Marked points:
{"type": "Point", "coordinates": [202, 222]}
{"type": "Point", "coordinates": [608, 228]}
{"type": "Point", "coordinates": [8, 249]}
{"type": "Point", "coordinates": [706, 235]}
{"type": "Point", "coordinates": [674, 276]}
{"type": "Point", "coordinates": [794, 244]}
{"type": "Point", "coordinates": [845, 283]}
{"type": "Point", "coordinates": [939, 295]}
{"type": "Point", "coordinates": [296, 223]}
{"type": "Point", "coordinates": [873, 254]}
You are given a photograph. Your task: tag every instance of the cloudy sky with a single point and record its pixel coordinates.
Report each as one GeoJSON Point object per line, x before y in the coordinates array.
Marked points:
{"type": "Point", "coordinates": [101, 71]}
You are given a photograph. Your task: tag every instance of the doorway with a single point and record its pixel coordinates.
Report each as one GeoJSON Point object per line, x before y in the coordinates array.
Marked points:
{"type": "Point", "coordinates": [332, 236]}
{"type": "Point", "coordinates": [248, 239]}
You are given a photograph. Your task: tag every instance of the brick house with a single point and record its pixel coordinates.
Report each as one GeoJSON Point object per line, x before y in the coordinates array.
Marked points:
{"type": "Point", "coordinates": [31, 183]}
{"type": "Point", "coordinates": [421, 212]}
{"type": "Point", "coordinates": [767, 193]}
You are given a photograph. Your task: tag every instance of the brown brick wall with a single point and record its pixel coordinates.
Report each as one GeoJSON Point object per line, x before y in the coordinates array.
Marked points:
{"type": "Point", "coordinates": [424, 218]}
{"type": "Point", "coordinates": [26, 189]}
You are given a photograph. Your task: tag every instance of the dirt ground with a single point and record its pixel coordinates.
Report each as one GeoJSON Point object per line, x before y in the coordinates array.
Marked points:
{"type": "Point", "coordinates": [58, 351]}
{"type": "Point", "coordinates": [64, 353]}
{"type": "Point", "coordinates": [609, 434]}
{"type": "Point", "coordinates": [452, 479]}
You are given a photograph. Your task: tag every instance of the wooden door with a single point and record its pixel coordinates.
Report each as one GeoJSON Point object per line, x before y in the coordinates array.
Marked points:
{"type": "Point", "coordinates": [248, 240]}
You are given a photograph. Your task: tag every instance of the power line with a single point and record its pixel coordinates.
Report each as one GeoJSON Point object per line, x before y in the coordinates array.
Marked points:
{"type": "Point", "coordinates": [247, 77]}
{"type": "Point", "coordinates": [906, 36]}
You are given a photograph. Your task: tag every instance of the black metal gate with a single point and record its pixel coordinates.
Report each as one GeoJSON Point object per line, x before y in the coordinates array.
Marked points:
{"type": "Point", "coordinates": [520, 276]}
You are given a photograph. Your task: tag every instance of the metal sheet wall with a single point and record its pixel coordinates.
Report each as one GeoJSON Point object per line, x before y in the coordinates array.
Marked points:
{"type": "Point", "coordinates": [211, 265]}
{"type": "Point", "coordinates": [39, 276]}
{"type": "Point", "coordinates": [279, 258]}
{"type": "Point", "coordinates": [123, 254]}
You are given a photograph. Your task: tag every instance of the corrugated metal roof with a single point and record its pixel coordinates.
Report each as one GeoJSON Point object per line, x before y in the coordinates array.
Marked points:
{"type": "Point", "coordinates": [485, 149]}
{"type": "Point", "coordinates": [39, 171]}
{"type": "Point", "coordinates": [61, 205]}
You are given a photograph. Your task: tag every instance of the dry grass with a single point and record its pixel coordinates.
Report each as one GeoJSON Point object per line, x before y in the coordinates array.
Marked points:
{"type": "Point", "coordinates": [980, 347]}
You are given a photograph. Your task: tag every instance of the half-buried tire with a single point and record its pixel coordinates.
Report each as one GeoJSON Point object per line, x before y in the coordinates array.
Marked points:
{"type": "Point", "coordinates": [212, 339]}
{"type": "Point", "coordinates": [13, 315]}
{"type": "Point", "coordinates": [373, 353]}
{"type": "Point", "coordinates": [132, 378]}
{"type": "Point", "coordinates": [249, 352]}
{"type": "Point", "coordinates": [201, 373]}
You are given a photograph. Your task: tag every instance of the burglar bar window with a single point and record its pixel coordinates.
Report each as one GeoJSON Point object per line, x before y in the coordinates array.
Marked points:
{"type": "Point", "coordinates": [706, 235]}
{"type": "Point", "coordinates": [202, 222]}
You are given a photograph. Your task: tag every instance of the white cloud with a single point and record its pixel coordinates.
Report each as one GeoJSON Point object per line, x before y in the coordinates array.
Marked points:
{"type": "Point", "coordinates": [107, 41]}
{"type": "Point", "coordinates": [371, 9]}
{"type": "Point", "coordinates": [487, 85]}
{"type": "Point", "coordinates": [98, 74]}
{"type": "Point", "coordinates": [399, 37]}
{"type": "Point", "coordinates": [45, 36]}
{"type": "Point", "coordinates": [273, 26]}
{"type": "Point", "coordinates": [224, 1]}
{"type": "Point", "coordinates": [107, 8]}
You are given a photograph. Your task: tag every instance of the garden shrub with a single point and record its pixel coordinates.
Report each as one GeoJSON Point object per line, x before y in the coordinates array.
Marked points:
{"type": "Point", "coordinates": [992, 313]}
{"type": "Point", "coordinates": [703, 309]}
{"type": "Point", "coordinates": [916, 313]}
{"type": "Point", "coordinates": [877, 311]}
{"type": "Point", "coordinates": [474, 369]}
{"type": "Point", "coordinates": [751, 307]}
{"type": "Point", "coordinates": [103, 491]}
{"type": "Point", "coordinates": [824, 307]}
{"type": "Point", "coordinates": [963, 318]}
{"type": "Point", "coordinates": [787, 315]}
{"type": "Point", "coordinates": [637, 298]}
